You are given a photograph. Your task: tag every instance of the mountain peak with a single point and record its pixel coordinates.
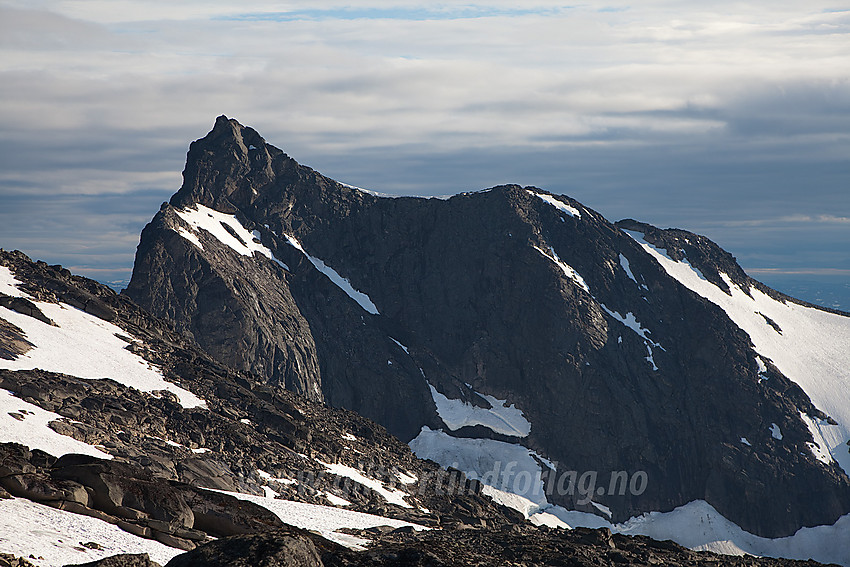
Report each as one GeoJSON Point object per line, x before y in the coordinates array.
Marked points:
{"type": "Point", "coordinates": [225, 127]}
{"type": "Point", "coordinates": [511, 294]}
{"type": "Point", "coordinates": [214, 163]}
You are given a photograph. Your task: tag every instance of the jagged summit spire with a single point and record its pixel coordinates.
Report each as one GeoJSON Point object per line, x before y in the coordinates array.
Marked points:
{"type": "Point", "coordinates": [225, 167]}
{"type": "Point", "coordinates": [226, 127]}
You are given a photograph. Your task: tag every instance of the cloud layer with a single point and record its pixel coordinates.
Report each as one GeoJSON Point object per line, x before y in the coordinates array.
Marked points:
{"type": "Point", "coordinates": [727, 119]}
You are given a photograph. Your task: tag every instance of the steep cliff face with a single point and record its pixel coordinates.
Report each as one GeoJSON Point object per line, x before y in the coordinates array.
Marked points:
{"type": "Point", "coordinates": [508, 314]}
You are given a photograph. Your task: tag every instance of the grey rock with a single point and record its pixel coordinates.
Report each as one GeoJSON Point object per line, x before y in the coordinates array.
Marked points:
{"type": "Point", "coordinates": [123, 560]}
{"type": "Point", "coordinates": [13, 342]}
{"type": "Point", "coordinates": [25, 307]}
{"type": "Point", "coordinates": [258, 550]}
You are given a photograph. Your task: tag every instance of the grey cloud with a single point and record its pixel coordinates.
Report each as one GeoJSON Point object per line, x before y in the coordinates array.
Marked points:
{"type": "Point", "coordinates": [97, 235]}
{"type": "Point", "coordinates": [46, 30]}
{"type": "Point", "coordinates": [795, 108]}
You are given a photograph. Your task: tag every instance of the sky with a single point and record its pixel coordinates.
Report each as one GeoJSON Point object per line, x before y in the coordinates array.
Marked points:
{"type": "Point", "coordinates": [730, 119]}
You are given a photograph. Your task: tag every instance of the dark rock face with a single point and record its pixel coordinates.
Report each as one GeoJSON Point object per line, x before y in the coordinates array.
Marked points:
{"type": "Point", "coordinates": [244, 333]}
{"type": "Point", "coordinates": [473, 288]}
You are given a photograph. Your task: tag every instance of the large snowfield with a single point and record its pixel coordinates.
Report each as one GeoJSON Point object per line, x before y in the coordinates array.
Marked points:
{"type": "Point", "coordinates": [82, 345]}
{"type": "Point", "coordinates": [49, 537]}
{"type": "Point", "coordinates": [512, 476]}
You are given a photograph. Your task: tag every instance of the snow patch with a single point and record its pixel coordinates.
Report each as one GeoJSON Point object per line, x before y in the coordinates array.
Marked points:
{"type": "Point", "coordinates": [775, 432]}
{"type": "Point", "coordinates": [25, 423]}
{"type": "Point", "coordinates": [561, 206]}
{"type": "Point", "coordinates": [342, 283]}
{"type": "Point", "coordinates": [369, 191]}
{"type": "Point", "coordinates": [323, 519]}
{"type": "Point", "coordinates": [500, 417]}
{"type": "Point", "coordinates": [508, 471]}
{"type": "Point", "coordinates": [405, 478]}
{"type": "Point", "coordinates": [548, 520]}
{"type": "Point", "coordinates": [8, 283]}
{"type": "Point", "coordinates": [567, 269]}
{"type": "Point", "coordinates": [632, 323]}
{"type": "Point", "coordinates": [401, 346]}
{"type": "Point", "coordinates": [268, 477]}
{"type": "Point", "coordinates": [624, 263]}
{"type": "Point", "coordinates": [336, 500]}
{"type": "Point", "coordinates": [190, 236]}
{"type": "Point", "coordinates": [391, 495]}
{"type": "Point", "coordinates": [820, 448]}
{"type": "Point", "coordinates": [85, 346]}
{"type": "Point", "coordinates": [217, 224]}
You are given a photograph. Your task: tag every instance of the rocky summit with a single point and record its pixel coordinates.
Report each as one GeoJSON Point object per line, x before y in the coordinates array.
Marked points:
{"type": "Point", "coordinates": [302, 372]}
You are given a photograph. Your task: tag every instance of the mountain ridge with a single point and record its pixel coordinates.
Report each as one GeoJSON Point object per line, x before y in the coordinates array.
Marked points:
{"type": "Point", "coordinates": [511, 292]}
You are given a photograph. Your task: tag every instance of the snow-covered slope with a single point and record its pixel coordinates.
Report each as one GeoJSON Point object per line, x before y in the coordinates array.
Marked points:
{"type": "Point", "coordinates": [49, 537]}
{"type": "Point", "coordinates": [82, 345]}
{"type": "Point", "coordinates": [810, 346]}
{"type": "Point", "coordinates": [27, 424]}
